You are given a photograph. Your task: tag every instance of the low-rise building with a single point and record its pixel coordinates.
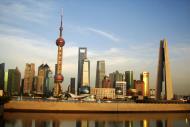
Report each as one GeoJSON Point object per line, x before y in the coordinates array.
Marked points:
{"type": "Point", "coordinates": [106, 83]}
{"type": "Point", "coordinates": [120, 87]}
{"type": "Point", "coordinates": [103, 93]}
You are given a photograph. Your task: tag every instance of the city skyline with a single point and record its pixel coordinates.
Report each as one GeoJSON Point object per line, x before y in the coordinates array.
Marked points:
{"type": "Point", "coordinates": [129, 48]}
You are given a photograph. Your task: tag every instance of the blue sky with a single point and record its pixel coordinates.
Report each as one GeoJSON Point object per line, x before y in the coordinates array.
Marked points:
{"type": "Point", "coordinates": [124, 33]}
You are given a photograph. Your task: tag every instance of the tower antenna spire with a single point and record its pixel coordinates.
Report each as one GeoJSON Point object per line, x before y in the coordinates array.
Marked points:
{"type": "Point", "coordinates": [61, 27]}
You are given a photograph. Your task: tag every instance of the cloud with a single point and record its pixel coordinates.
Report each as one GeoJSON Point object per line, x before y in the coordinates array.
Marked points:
{"type": "Point", "coordinates": [91, 32]}
{"type": "Point", "coordinates": [30, 10]}
{"type": "Point", "coordinates": [104, 34]}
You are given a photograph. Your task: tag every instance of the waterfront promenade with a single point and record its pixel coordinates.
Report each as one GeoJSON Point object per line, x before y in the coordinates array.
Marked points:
{"type": "Point", "coordinates": [51, 106]}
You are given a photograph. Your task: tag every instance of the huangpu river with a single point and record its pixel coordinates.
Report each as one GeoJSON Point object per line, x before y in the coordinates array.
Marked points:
{"type": "Point", "coordinates": [21, 119]}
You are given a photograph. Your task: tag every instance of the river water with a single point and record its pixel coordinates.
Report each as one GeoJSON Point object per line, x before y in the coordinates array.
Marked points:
{"type": "Point", "coordinates": [18, 119]}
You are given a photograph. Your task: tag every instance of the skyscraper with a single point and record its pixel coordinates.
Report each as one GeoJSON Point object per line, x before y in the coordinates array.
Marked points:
{"type": "Point", "coordinates": [145, 78]}
{"type": "Point", "coordinates": [129, 79]}
{"type": "Point", "coordinates": [58, 79]}
{"type": "Point", "coordinates": [28, 78]}
{"type": "Point", "coordinates": [6, 81]}
{"type": "Point", "coordinates": [49, 83]}
{"type": "Point", "coordinates": [34, 84]}
{"type": "Point", "coordinates": [85, 73]}
{"type": "Point", "coordinates": [164, 74]}
{"type": "Point", "coordinates": [81, 56]}
{"type": "Point", "coordinates": [22, 87]}
{"type": "Point", "coordinates": [14, 78]}
{"type": "Point", "coordinates": [41, 81]}
{"type": "Point", "coordinates": [100, 73]}
{"type": "Point", "coordinates": [72, 83]}
{"type": "Point", "coordinates": [2, 75]}
{"type": "Point", "coordinates": [115, 76]}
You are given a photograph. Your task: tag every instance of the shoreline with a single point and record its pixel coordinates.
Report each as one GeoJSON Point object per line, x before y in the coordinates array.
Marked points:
{"type": "Point", "coordinates": [87, 107]}
{"type": "Point", "coordinates": [92, 116]}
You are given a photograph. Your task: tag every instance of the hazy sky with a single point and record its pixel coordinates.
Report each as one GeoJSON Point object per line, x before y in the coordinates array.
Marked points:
{"type": "Point", "coordinates": [124, 33]}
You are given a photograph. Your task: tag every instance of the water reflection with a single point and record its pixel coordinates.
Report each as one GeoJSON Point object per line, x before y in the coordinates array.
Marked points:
{"type": "Point", "coordinates": [95, 120]}
{"type": "Point", "coordinates": [144, 123]}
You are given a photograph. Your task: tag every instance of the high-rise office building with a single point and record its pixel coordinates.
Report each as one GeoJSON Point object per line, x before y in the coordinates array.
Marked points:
{"type": "Point", "coordinates": [2, 75]}
{"type": "Point", "coordinates": [58, 79]}
{"type": "Point", "coordinates": [14, 78]}
{"type": "Point", "coordinates": [112, 79]}
{"type": "Point", "coordinates": [41, 81]}
{"type": "Point", "coordinates": [6, 81]}
{"type": "Point", "coordinates": [49, 83]}
{"type": "Point", "coordinates": [81, 56]}
{"type": "Point", "coordinates": [129, 79]}
{"type": "Point", "coordinates": [85, 73]}
{"type": "Point", "coordinates": [115, 76]}
{"type": "Point", "coordinates": [164, 74]}
{"type": "Point", "coordinates": [34, 84]}
{"type": "Point", "coordinates": [145, 78]}
{"type": "Point", "coordinates": [72, 83]}
{"type": "Point", "coordinates": [28, 78]}
{"type": "Point", "coordinates": [100, 73]}
{"type": "Point", "coordinates": [22, 87]}
{"type": "Point", "coordinates": [118, 76]}
{"type": "Point", "coordinates": [85, 79]}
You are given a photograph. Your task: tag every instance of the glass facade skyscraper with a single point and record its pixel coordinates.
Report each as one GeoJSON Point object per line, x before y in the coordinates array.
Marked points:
{"type": "Point", "coordinates": [81, 56]}
{"type": "Point", "coordinates": [2, 75]}
{"type": "Point", "coordinates": [49, 83]}
{"type": "Point", "coordinates": [115, 76]}
{"type": "Point", "coordinates": [6, 81]}
{"type": "Point", "coordinates": [164, 73]}
{"type": "Point", "coordinates": [72, 83]}
{"type": "Point", "coordinates": [145, 78]}
{"type": "Point", "coordinates": [129, 79]}
{"type": "Point", "coordinates": [14, 78]}
{"type": "Point", "coordinates": [86, 73]}
{"type": "Point", "coordinates": [100, 73]}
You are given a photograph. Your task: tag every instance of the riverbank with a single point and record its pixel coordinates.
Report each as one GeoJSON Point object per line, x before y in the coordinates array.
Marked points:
{"type": "Point", "coordinates": [42, 106]}
{"type": "Point", "coordinates": [95, 116]}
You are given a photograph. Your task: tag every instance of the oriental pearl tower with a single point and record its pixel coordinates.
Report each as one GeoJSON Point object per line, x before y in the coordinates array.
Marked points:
{"type": "Point", "coordinates": [58, 78]}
